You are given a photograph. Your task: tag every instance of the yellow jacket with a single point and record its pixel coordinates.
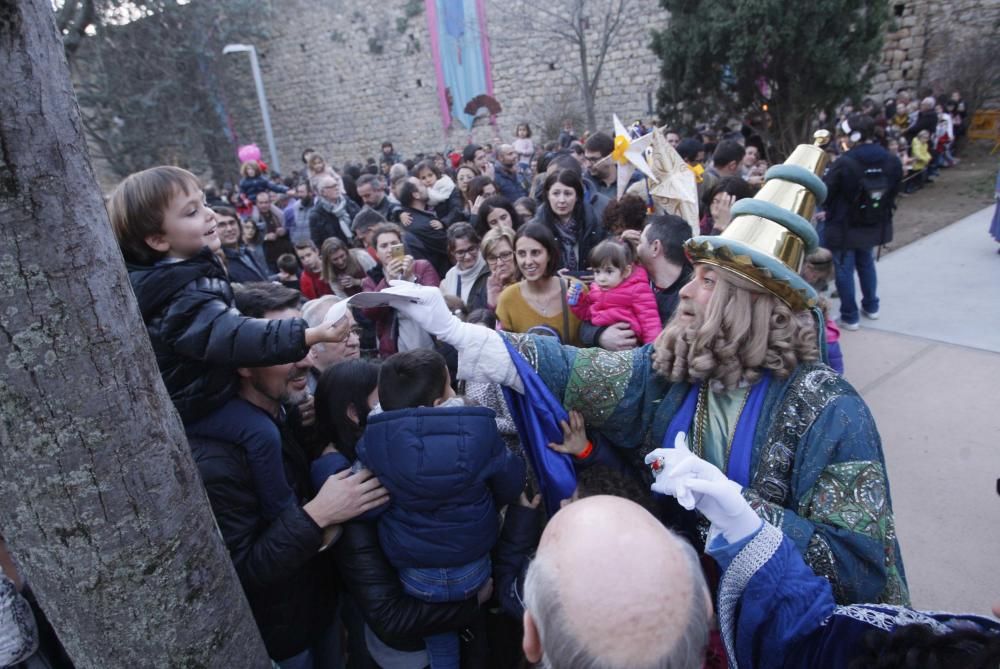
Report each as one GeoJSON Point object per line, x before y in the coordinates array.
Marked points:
{"type": "Point", "coordinates": [921, 154]}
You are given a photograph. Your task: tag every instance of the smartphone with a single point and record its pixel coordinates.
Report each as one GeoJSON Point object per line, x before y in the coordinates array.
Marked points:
{"type": "Point", "coordinates": [398, 251]}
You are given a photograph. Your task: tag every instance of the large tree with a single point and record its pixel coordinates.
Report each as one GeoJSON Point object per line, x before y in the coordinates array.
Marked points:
{"type": "Point", "coordinates": [778, 62]}
{"type": "Point", "coordinates": [588, 29]}
{"type": "Point", "coordinates": [99, 499]}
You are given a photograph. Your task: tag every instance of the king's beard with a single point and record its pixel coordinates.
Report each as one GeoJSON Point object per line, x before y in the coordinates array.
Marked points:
{"type": "Point", "coordinates": [674, 347]}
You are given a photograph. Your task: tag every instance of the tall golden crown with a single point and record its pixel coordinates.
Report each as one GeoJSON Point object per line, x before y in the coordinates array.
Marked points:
{"type": "Point", "coordinates": [770, 235]}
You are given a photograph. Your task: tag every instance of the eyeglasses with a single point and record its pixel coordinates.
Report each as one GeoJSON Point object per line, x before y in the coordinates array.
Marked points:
{"type": "Point", "coordinates": [500, 257]}
{"type": "Point", "coordinates": [469, 252]}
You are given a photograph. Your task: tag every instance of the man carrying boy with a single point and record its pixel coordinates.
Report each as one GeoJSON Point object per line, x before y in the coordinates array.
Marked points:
{"type": "Point", "coordinates": [286, 578]}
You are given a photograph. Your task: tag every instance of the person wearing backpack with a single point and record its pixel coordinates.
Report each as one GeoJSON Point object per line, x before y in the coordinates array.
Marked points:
{"type": "Point", "coordinates": [862, 185]}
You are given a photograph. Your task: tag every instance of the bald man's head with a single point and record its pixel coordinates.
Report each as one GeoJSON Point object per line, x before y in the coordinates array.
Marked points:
{"type": "Point", "coordinates": [611, 587]}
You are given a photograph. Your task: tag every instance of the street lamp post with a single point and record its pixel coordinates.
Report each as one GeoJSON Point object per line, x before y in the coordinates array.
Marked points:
{"type": "Point", "coordinates": [261, 98]}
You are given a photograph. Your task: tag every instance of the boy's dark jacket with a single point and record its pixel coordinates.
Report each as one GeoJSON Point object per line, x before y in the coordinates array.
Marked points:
{"type": "Point", "coordinates": [447, 471]}
{"type": "Point", "coordinates": [199, 337]}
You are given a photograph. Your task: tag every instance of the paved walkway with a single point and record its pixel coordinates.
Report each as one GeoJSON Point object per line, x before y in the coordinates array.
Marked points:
{"type": "Point", "coordinates": [929, 368]}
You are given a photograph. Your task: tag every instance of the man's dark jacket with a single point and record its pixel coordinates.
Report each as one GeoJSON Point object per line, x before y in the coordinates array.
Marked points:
{"type": "Point", "coordinates": [198, 336]}
{"type": "Point", "coordinates": [289, 584]}
{"type": "Point", "coordinates": [243, 267]}
{"type": "Point", "coordinates": [324, 224]}
{"type": "Point", "coordinates": [843, 182]}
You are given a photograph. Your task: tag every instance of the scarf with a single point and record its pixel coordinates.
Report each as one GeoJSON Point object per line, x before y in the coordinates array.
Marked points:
{"type": "Point", "coordinates": [566, 236]}
{"type": "Point", "coordinates": [460, 281]}
{"type": "Point", "coordinates": [338, 209]}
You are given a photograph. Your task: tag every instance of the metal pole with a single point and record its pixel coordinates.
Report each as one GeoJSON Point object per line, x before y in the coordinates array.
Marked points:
{"type": "Point", "coordinates": [262, 99]}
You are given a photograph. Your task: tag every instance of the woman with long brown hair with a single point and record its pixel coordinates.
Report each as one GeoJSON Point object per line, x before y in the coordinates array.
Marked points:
{"type": "Point", "coordinates": [344, 268]}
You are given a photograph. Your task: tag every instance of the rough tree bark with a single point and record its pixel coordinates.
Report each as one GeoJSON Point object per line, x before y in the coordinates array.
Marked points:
{"type": "Point", "coordinates": [99, 499]}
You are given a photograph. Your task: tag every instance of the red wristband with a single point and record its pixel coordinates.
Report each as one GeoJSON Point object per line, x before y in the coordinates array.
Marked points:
{"type": "Point", "coordinates": [585, 453]}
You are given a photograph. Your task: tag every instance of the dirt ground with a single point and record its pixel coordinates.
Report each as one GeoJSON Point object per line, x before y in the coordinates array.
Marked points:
{"type": "Point", "coordinates": [955, 193]}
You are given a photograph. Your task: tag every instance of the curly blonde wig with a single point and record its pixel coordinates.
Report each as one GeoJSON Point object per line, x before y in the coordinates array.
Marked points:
{"type": "Point", "coordinates": [742, 332]}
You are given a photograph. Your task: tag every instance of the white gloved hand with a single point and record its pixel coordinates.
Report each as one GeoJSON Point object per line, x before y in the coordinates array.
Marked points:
{"type": "Point", "coordinates": [662, 460]}
{"type": "Point", "coordinates": [699, 484]}
{"type": "Point", "coordinates": [428, 309]}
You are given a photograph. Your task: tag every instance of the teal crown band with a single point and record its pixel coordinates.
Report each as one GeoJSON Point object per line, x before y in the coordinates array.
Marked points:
{"type": "Point", "coordinates": [801, 176]}
{"type": "Point", "coordinates": [795, 223]}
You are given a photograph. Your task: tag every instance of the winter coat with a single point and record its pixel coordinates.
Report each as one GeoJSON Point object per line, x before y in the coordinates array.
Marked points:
{"type": "Point", "coordinates": [252, 186]}
{"type": "Point", "coordinates": [843, 182]}
{"type": "Point", "coordinates": [384, 317]}
{"type": "Point", "coordinates": [509, 184]}
{"type": "Point", "coordinates": [288, 582]}
{"type": "Point", "coordinates": [424, 242]}
{"type": "Point", "coordinates": [243, 267]}
{"type": "Point", "coordinates": [399, 620]}
{"type": "Point", "coordinates": [447, 472]}
{"type": "Point", "coordinates": [632, 301]}
{"type": "Point", "coordinates": [198, 336]}
{"type": "Point", "coordinates": [324, 224]}
{"type": "Point", "coordinates": [590, 232]}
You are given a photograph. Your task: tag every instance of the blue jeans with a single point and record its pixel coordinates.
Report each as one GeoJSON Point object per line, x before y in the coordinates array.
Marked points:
{"type": "Point", "coordinates": [846, 262]}
{"type": "Point", "coordinates": [325, 652]}
{"type": "Point", "coordinates": [445, 584]}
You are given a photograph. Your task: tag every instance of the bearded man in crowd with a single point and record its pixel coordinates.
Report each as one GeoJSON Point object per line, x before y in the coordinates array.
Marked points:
{"type": "Point", "coordinates": [738, 368]}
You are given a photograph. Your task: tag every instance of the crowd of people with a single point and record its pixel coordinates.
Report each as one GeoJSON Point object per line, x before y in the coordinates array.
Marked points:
{"type": "Point", "coordinates": [399, 482]}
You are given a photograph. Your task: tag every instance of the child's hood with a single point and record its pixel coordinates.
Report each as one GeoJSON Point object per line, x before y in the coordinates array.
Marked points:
{"type": "Point", "coordinates": [155, 285]}
{"type": "Point", "coordinates": [438, 449]}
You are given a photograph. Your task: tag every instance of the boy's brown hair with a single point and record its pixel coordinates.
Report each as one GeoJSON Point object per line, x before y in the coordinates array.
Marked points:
{"type": "Point", "coordinates": [137, 205]}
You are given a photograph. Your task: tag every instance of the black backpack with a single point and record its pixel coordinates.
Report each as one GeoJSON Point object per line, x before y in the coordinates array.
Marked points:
{"type": "Point", "coordinates": [872, 207]}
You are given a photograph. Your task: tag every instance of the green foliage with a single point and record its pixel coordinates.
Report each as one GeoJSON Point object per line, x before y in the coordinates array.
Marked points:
{"type": "Point", "coordinates": [718, 56]}
{"type": "Point", "coordinates": [154, 87]}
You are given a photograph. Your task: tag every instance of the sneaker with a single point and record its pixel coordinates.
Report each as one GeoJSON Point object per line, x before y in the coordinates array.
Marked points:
{"type": "Point", "coordinates": [870, 315]}
{"type": "Point", "coordinates": [849, 326]}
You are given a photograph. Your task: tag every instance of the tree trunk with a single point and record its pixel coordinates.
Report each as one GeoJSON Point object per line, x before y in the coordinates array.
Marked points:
{"type": "Point", "coordinates": [99, 499]}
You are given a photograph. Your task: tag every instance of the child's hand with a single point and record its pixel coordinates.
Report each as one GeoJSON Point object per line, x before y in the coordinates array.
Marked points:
{"type": "Point", "coordinates": [270, 237]}
{"type": "Point", "coordinates": [437, 225]}
{"type": "Point", "coordinates": [574, 435]}
{"type": "Point", "coordinates": [329, 332]}
{"type": "Point", "coordinates": [529, 503]}
{"type": "Point", "coordinates": [406, 218]}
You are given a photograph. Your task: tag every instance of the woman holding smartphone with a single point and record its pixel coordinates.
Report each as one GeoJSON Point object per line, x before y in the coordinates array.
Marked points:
{"type": "Point", "coordinates": [538, 301]}
{"type": "Point", "coordinates": [393, 263]}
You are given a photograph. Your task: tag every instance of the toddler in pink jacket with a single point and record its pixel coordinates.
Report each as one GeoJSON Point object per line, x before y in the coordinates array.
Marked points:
{"type": "Point", "coordinates": [620, 292]}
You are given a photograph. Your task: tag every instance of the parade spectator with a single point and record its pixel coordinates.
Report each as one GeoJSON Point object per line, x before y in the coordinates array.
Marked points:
{"type": "Point", "coordinates": [333, 213]}
{"type": "Point", "coordinates": [297, 213]}
{"type": "Point", "coordinates": [506, 175]}
{"type": "Point", "coordinates": [424, 234]}
{"type": "Point", "coordinates": [526, 208]}
{"type": "Point", "coordinates": [393, 263]}
{"type": "Point", "coordinates": [253, 182]}
{"type": "Point", "coordinates": [288, 271]}
{"type": "Point", "coordinates": [494, 211]}
{"type": "Point", "coordinates": [443, 197]}
{"type": "Point", "coordinates": [271, 222]}
{"type": "Point", "coordinates": [718, 202]}
{"type": "Point", "coordinates": [569, 218]}
{"type": "Point", "coordinates": [344, 268]}
{"type": "Point", "coordinates": [620, 292]}
{"type": "Point", "coordinates": [317, 169]}
{"type": "Point", "coordinates": [497, 248]}
{"type": "Point", "coordinates": [468, 278]}
{"type": "Point", "coordinates": [311, 281]}
{"type": "Point", "coordinates": [523, 145]}
{"type": "Point", "coordinates": [726, 161]}
{"type": "Point", "coordinates": [463, 177]}
{"type": "Point", "coordinates": [371, 190]}
{"type": "Point", "coordinates": [862, 186]}
{"type": "Point", "coordinates": [539, 298]}
{"type": "Point", "coordinates": [241, 264]}
{"type": "Point", "coordinates": [287, 580]}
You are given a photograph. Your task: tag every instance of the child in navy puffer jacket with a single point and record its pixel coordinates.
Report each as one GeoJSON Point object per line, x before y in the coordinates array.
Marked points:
{"type": "Point", "coordinates": [447, 472]}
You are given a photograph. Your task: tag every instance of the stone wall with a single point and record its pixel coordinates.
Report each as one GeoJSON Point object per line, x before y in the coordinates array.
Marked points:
{"type": "Point", "coordinates": [924, 38]}
{"type": "Point", "coordinates": [342, 76]}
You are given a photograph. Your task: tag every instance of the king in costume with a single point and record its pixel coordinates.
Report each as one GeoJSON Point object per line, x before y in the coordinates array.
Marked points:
{"type": "Point", "coordinates": [796, 436]}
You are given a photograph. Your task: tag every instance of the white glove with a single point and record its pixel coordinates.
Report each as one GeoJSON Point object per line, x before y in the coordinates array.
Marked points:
{"type": "Point", "coordinates": [699, 484]}
{"type": "Point", "coordinates": [663, 460]}
{"type": "Point", "coordinates": [428, 310]}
